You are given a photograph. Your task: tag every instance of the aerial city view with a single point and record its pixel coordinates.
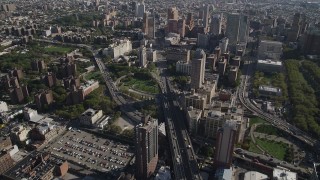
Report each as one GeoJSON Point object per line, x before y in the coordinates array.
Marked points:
{"type": "Point", "coordinates": [159, 89]}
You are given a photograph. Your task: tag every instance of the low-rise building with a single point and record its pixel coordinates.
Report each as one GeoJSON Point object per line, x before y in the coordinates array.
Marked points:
{"type": "Point", "coordinates": [43, 132]}
{"type": "Point", "coordinates": [6, 162]}
{"type": "Point", "coordinates": [90, 117]}
{"type": "Point", "coordinates": [254, 175]}
{"type": "Point", "coordinates": [269, 49]}
{"type": "Point", "coordinates": [77, 95]}
{"type": "Point", "coordinates": [3, 106]}
{"type": "Point", "coordinates": [118, 49]}
{"type": "Point", "coordinates": [38, 165]}
{"type": "Point", "coordinates": [268, 91]}
{"type": "Point", "coordinates": [19, 134]}
{"type": "Point", "coordinates": [282, 173]}
{"type": "Point", "coordinates": [269, 66]}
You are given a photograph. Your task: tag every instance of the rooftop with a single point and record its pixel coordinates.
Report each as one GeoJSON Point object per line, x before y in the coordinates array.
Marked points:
{"type": "Point", "coordinates": [89, 112]}
{"type": "Point", "coordinates": [269, 88]}
{"type": "Point", "coordinates": [269, 61]}
{"type": "Point", "coordinates": [254, 175]}
{"type": "Point", "coordinates": [283, 174]}
{"type": "Point", "coordinates": [39, 163]}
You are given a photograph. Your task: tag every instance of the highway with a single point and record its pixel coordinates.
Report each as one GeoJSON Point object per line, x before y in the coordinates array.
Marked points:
{"type": "Point", "coordinates": [277, 122]}
{"type": "Point", "coordinates": [185, 164]}
{"type": "Point", "coordinates": [124, 105]}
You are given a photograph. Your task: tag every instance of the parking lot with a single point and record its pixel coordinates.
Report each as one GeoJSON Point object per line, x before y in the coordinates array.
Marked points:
{"type": "Point", "coordinates": [94, 152]}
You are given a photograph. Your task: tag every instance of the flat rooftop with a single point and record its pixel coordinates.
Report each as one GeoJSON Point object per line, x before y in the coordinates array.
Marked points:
{"type": "Point", "coordinates": [283, 174]}
{"type": "Point", "coordinates": [269, 88]}
{"type": "Point", "coordinates": [269, 61]}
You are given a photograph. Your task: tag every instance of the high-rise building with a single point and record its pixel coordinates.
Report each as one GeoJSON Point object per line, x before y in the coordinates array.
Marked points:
{"type": "Point", "coordinates": [146, 147]}
{"type": "Point", "coordinates": [16, 73]}
{"type": "Point", "coordinates": [182, 27]}
{"type": "Point", "coordinates": [43, 98]}
{"type": "Point", "coordinates": [50, 79]}
{"type": "Point", "coordinates": [232, 29]}
{"type": "Point", "coordinates": [173, 13]}
{"type": "Point", "coordinates": [311, 41]}
{"type": "Point", "coordinates": [18, 94]}
{"type": "Point", "coordinates": [223, 44]}
{"type": "Point", "coordinates": [215, 27]}
{"type": "Point", "coordinates": [222, 64]}
{"type": "Point", "coordinates": [237, 28]}
{"type": "Point", "coordinates": [143, 57]}
{"type": "Point", "coordinates": [190, 20]}
{"type": "Point", "coordinates": [294, 32]}
{"type": "Point", "coordinates": [140, 9]}
{"type": "Point", "coordinates": [149, 25]}
{"type": "Point", "coordinates": [243, 29]}
{"type": "Point", "coordinates": [38, 65]}
{"type": "Point", "coordinates": [172, 26]}
{"type": "Point", "coordinates": [198, 69]}
{"type": "Point", "coordinates": [233, 74]}
{"type": "Point", "coordinates": [226, 139]}
{"type": "Point", "coordinates": [203, 40]}
{"type": "Point", "coordinates": [205, 15]}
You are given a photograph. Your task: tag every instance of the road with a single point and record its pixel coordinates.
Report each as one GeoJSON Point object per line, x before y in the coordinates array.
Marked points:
{"type": "Point", "coordinates": [185, 164]}
{"type": "Point", "coordinates": [242, 94]}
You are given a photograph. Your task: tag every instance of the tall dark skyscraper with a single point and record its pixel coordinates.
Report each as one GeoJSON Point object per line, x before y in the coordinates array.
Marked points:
{"type": "Point", "coordinates": [237, 28]}
{"type": "Point", "coordinates": [226, 139]}
{"type": "Point", "coordinates": [146, 147]}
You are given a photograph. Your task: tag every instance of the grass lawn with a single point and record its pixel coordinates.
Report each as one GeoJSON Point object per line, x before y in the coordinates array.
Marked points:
{"type": "Point", "coordinates": [93, 75]}
{"type": "Point", "coordinates": [253, 148]}
{"type": "Point", "coordinates": [256, 120]}
{"type": "Point", "coordinates": [57, 49]}
{"type": "Point", "coordinates": [268, 129]}
{"type": "Point", "coordinates": [277, 150]}
{"type": "Point", "coordinates": [149, 86]}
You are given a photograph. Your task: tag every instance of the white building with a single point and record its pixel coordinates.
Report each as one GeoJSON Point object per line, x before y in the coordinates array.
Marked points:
{"type": "Point", "coordinates": [102, 124]}
{"type": "Point", "coordinates": [269, 91]}
{"type": "Point", "coordinates": [269, 66]}
{"type": "Point", "coordinates": [183, 67]}
{"type": "Point", "coordinates": [118, 49]}
{"type": "Point", "coordinates": [3, 106]}
{"type": "Point", "coordinates": [254, 175]}
{"type": "Point", "coordinates": [270, 49]}
{"type": "Point", "coordinates": [142, 57]}
{"type": "Point", "coordinates": [32, 115]}
{"type": "Point", "coordinates": [284, 174]}
{"type": "Point", "coordinates": [19, 134]}
{"type": "Point", "coordinates": [90, 117]}
{"type": "Point", "coordinates": [151, 55]}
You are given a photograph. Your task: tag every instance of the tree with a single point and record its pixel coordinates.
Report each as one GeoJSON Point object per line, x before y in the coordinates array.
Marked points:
{"type": "Point", "coordinates": [114, 129]}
